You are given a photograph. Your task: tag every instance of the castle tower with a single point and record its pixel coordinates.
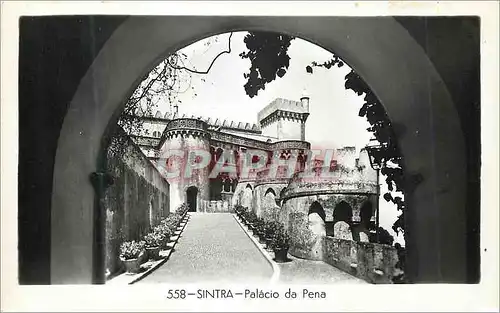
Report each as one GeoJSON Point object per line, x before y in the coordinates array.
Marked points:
{"type": "Point", "coordinates": [285, 119]}
{"type": "Point", "coordinates": [186, 141]}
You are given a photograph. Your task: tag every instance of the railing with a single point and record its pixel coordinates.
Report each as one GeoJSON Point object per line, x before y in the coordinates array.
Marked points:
{"type": "Point", "coordinates": [215, 206]}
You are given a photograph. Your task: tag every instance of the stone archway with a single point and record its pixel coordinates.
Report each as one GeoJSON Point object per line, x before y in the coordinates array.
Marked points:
{"type": "Point", "coordinates": [365, 226]}
{"type": "Point", "coordinates": [270, 210]}
{"type": "Point", "coordinates": [342, 212]}
{"type": "Point", "coordinates": [247, 197]}
{"type": "Point", "coordinates": [342, 221]}
{"type": "Point", "coordinates": [415, 98]}
{"type": "Point", "coordinates": [316, 218]}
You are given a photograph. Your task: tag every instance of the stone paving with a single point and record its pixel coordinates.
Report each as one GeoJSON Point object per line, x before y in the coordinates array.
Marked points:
{"type": "Point", "coordinates": [300, 271]}
{"type": "Point", "coordinates": [213, 248]}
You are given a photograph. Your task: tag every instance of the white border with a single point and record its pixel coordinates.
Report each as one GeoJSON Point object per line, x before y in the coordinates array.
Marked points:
{"type": "Point", "coordinates": [483, 296]}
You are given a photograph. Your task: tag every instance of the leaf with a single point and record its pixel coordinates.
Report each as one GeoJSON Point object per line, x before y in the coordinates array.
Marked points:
{"type": "Point", "coordinates": [388, 197]}
{"type": "Point", "coordinates": [281, 72]}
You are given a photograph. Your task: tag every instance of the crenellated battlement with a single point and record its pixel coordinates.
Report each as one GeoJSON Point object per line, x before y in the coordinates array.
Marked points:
{"type": "Point", "coordinates": [280, 104]}
{"type": "Point", "coordinates": [212, 123]}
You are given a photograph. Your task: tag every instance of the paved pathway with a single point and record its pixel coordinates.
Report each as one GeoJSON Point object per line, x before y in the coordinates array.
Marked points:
{"type": "Point", "coordinates": [213, 248]}
{"type": "Point", "coordinates": [301, 271]}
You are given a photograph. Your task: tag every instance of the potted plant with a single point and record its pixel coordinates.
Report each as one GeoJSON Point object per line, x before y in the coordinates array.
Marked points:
{"type": "Point", "coordinates": [153, 241]}
{"type": "Point", "coordinates": [280, 244]}
{"type": "Point", "coordinates": [251, 219]}
{"type": "Point", "coordinates": [260, 229]}
{"type": "Point", "coordinates": [270, 230]}
{"type": "Point", "coordinates": [165, 233]}
{"type": "Point", "coordinates": [240, 210]}
{"type": "Point", "coordinates": [182, 210]}
{"type": "Point", "coordinates": [172, 222]}
{"type": "Point", "coordinates": [130, 253]}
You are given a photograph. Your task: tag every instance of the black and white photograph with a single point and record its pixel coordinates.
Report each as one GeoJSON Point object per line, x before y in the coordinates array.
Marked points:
{"type": "Point", "coordinates": [275, 156]}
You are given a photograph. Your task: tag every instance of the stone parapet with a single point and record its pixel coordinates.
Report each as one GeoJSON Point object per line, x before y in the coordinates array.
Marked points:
{"type": "Point", "coordinates": [290, 145]}
{"type": "Point", "coordinates": [331, 181]}
{"type": "Point", "coordinates": [187, 127]}
{"type": "Point", "coordinates": [372, 262]}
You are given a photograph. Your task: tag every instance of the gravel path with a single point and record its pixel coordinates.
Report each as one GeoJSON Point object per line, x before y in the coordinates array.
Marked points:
{"type": "Point", "coordinates": [213, 248]}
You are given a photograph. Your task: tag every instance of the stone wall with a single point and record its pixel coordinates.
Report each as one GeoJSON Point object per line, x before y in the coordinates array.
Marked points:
{"type": "Point", "coordinates": [304, 243]}
{"type": "Point", "coordinates": [264, 200]}
{"type": "Point", "coordinates": [136, 201]}
{"type": "Point", "coordinates": [243, 194]}
{"type": "Point", "coordinates": [372, 262]}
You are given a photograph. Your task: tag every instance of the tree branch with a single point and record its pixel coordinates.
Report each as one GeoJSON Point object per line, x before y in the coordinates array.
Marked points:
{"type": "Point", "coordinates": [211, 64]}
{"type": "Point", "coordinates": [148, 86]}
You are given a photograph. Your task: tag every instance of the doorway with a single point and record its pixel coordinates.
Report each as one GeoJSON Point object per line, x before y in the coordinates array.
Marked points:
{"type": "Point", "coordinates": [191, 196]}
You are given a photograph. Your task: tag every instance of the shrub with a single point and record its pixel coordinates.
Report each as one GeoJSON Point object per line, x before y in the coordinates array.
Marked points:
{"type": "Point", "coordinates": [384, 237]}
{"type": "Point", "coordinates": [281, 239]}
{"type": "Point", "coordinates": [163, 230]}
{"type": "Point", "coordinates": [131, 249]}
{"type": "Point", "coordinates": [271, 228]}
{"type": "Point", "coordinates": [183, 208]}
{"type": "Point", "coordinates": [172, 221]}
{"type": "Point", "coordinates": [239, 209]}
{"type": "Point", "coordinates": [260, 225]}
{"type": "Point", "coordinates": [154, 239]}
{"type": "Point", "coordinates": [250, 216]}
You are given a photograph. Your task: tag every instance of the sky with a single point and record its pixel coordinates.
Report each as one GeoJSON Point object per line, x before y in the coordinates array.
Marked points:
{"type": "Point", "coordinates": [333, 121]}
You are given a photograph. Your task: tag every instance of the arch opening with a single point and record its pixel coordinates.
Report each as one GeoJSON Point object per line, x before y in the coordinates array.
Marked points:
{"type": "Point", "coordinates": [317, 217]}
{"type": "Point", "coordinates": [342, 221]}
{"type": "Point", "coordinates": [192, 198]}
{"type": "Point", "coordinates": [414, 149]}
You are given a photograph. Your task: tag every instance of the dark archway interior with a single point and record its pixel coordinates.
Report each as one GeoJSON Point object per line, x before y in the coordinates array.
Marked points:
{"type": "Point", "coordinates": [191, 195]}
{"type": "Point", "coordinates": [342, 212]}
{"type": "Point", "coordinates": [270, 190]}
{"type": "Point", "coordinates": [318, 209]}
{"type": "Point", "coordinates": [366, 213]}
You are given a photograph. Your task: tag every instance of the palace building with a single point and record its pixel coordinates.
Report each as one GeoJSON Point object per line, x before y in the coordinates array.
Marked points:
{"type": "Point", "coordinates": [347, 194]}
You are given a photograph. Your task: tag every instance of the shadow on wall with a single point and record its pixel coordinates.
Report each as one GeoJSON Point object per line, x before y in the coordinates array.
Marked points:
{"type": "Point", "coordinates": [137, 200]}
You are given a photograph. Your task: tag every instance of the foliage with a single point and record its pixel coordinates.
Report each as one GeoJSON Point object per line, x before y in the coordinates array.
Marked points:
{"type": "Point", "coordinates": [154, 239]}
{"type": "Point", "coordinates": [182, 209]}
{"type": "Point", "coordinates": [281, 239]}
{"type": "Point", "coordinates": [260, 226]}
{"type": "Point", "coordinates": [250, 217]}
{"type": "Point", "coordinates": [384, 237]}
{"type": "Point", "coordinates": [400, 277]}
{"type": "Point", "coordinates": [172, 221]}
{"type": "Point", "coordinates": [239, 209]}
{"type": "Point", "coordinates": [170, 78]}
{"type": "Point", "coordinates": [269, 59]}
{"type": "Point", "coordinates": [131, 249]}
{"type": "Point", "coordinates": [387, 155]}
{"type": "Point", "coordinates": [164, 81]}
{"type": "Point", "coordinates": [271, 228]}
{"type": "Point", "coordinates": [163, 230]}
